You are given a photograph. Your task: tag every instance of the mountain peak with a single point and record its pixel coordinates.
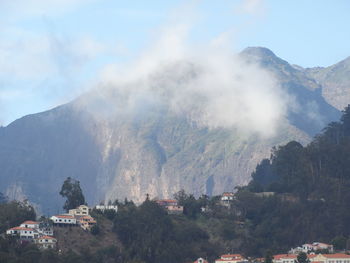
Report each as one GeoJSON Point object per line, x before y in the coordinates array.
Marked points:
{"type": "Point", "coordinates": [259, 52]}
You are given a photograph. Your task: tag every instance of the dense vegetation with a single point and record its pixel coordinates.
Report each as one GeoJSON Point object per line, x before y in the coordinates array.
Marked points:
{"type": "Point", "coordinates": [312, 186]}
{"type": "Point", "coordinates": [149, 234]}
{"type": "Point", "coordinates": [14, 213]}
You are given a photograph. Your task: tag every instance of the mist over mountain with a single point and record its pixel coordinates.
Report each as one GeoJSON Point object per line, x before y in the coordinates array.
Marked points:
{"type": "Point", "coordinates": [199, 124]}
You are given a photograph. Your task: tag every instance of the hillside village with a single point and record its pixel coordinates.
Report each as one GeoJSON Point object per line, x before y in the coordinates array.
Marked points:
{"type": "Point", "coordinates": [42, 234]}
{"type": "Point", "coordinates": [312, 257]}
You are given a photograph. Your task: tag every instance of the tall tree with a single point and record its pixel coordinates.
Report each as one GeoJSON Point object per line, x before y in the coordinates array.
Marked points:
{"type": "Point", "coordinates": [268, 257]}
{"type": "Point", "coordinates": [302, 258]}
{"type": "Point", "coordinates": [72, 191]}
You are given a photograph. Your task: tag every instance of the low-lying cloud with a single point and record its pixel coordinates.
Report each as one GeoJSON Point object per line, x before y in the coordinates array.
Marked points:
{"type": "Point", "coordinates": [208, 84]}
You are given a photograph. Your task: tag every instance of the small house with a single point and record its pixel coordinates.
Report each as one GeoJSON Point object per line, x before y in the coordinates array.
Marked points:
{"type": "Point", "coordinates": [81, 210]}
{"type": "Point", "coordinates": [231, 258]}
{"type": "Point", "coordinates": [63, 220]}
{"type": "Point", "coordinates": [87, 222]}
{"type": "Point", "coordinates": [46, 242]}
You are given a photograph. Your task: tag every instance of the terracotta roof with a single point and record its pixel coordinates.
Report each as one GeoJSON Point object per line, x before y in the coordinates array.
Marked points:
{"type": "Point", "coordinates": [228, 194]}
{"type": "Point", "coordinates": [279, 256]}
{"type": "Point", "coordinates": [21, 228]}
{"type": "Point", "coordinates": [30, 223]}
{"type": "Point", "coordinates": [231, 256]}
{"type": "Point", "coordinates": [337, 255]}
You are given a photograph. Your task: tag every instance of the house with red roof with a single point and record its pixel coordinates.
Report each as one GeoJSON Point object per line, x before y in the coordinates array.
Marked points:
{"type": "Point", "coordinates": [314, 247]}
{"type": "Point", "coordinates": [231, 258]}
{"type": "Point", "coordinates": [284, 258]}
{"type": "Point", "coordinates": [227, 198]}
{"type": "Point", "coordinates": [171, 206]}
{"type": "Point", "coordinates": [23, 233]}
{"type": "Point", "coordinates": [330, 258]}
{"type": "Point", "coordinates": [30, 224]}
{"type": "Point", "coordinates": [86, 222]}
{"type": "Point", "coordinates": [46, 242]}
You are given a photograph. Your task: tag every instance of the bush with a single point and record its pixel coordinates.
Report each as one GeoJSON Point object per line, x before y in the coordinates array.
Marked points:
{"type": "Point", "coordinates": [95, 230]}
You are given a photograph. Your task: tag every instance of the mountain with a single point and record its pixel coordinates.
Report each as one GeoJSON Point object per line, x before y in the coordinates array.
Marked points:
{"type": "Point", "coordinates": [311, 111]}
{"type": "Point", "coordinates": [335, 82]}
{"type": "Point", "coordinates": [155, 151]}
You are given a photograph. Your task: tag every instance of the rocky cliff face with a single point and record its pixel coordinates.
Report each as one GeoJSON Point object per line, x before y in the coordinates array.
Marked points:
{"type": "Point", "coordinates": [155, 152]}
{"type": "Point", "coordinates": [335, 82]}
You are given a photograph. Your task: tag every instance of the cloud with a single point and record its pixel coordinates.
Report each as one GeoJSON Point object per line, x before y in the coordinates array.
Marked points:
{"type": "Point", "coordinates": [16, 10]}
{"type": "Point", "coordinates": [251, 7]}
{"type": "Point", "coordinates": [208, 84]}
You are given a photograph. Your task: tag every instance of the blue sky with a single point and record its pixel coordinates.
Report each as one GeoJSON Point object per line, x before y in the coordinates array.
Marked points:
{"type": "Point", "coordinates": [52, 51]}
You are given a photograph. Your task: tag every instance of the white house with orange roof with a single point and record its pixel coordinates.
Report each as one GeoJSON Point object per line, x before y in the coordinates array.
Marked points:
{"type": "Point", "coordinates": [171, 205]}
{"type": "Point", "coordinates": [284, 258]}
{"type": "Point", "coordinates": [315, 246]}
{"type": "Point", "coordinates": [231, 258]}
{"type": "Point", "coordinates": [63, 220]}
{"type": "Point", "coordinates": [330, 258]}
{"type": "Point", "coordinates": [227, 198]}
{"type": "Point", "coordinates": [322, 246]}
{"type": "Point", "coordinates": [30, 224]}
{"type": "Point", "coordinates": [45, 242]}
{"type": "Point", "coordinates": [87, 222]}
{"type": "Point", "coordinates": [23, 233]}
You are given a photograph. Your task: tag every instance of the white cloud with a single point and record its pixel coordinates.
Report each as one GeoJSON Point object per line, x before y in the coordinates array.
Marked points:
{"type": "Point", "coordinates": [251, 7]}
{"type": "Point", "coordinates": [207, 84]}
{"type": "Point", "coordinates": [15, 10]}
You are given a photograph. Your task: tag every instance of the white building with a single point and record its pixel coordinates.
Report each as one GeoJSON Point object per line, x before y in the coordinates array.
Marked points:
{"type": "Point", "coordinates": [231, 258]}
{"type": "Point", "coordinates": [106, 207]}
{"type": "Point", "coordinates": [284, 258]}
{"type": "Point", "coordinates": [81, 210]}
{"type": "Point", "coordinates": [322, 246]}
{"type": "Point", "coordinates": [30, 224]}
{"type": "Point", "coordinates": [227, 198]}
{"type": "Point", "coordinates": [45, 242]}
{"type": "Point", "coordinates": [331, 258]}
{"type": "Point", "coordinates": [22, 232]}
{"type": "Point", "coordinates": [63, 220]}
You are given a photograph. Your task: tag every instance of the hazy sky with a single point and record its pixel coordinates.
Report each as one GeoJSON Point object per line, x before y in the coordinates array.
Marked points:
{"type": "Point", "coordinates": [52, 51]}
